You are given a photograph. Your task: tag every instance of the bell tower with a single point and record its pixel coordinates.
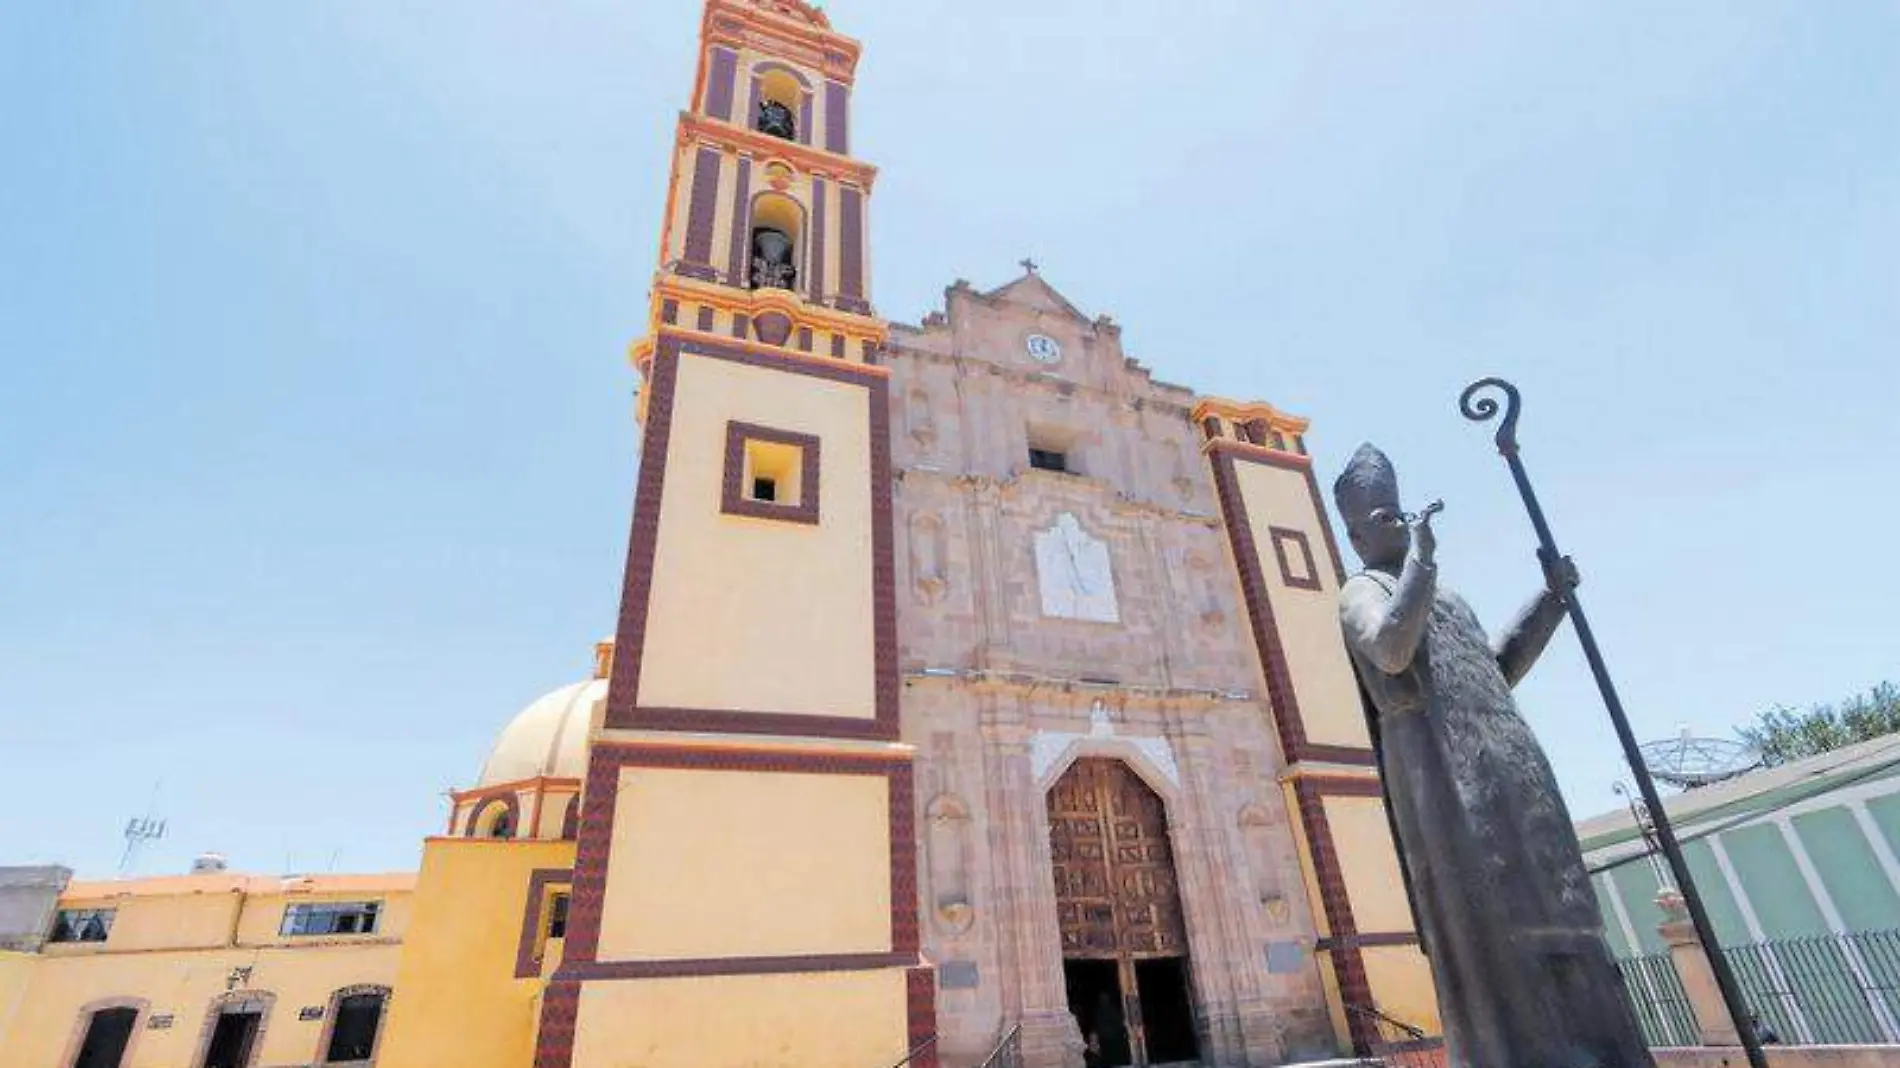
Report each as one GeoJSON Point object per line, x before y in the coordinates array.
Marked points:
{"type": "Point", "coordinates": [745, 877]}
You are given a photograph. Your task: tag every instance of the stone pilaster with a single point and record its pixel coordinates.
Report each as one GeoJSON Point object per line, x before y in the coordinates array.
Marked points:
{"type": "Point", "coordinates": [1712, 1021]}
{"type": "Point", "coordinates": [1030, 940]}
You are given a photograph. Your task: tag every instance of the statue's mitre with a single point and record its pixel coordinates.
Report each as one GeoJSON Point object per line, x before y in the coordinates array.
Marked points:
{"type": "Point", "coordinates": [1368, 481]}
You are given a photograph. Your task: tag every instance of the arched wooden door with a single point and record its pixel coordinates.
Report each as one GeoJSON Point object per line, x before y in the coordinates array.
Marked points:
{"type": "Point", "coordinates": [1124, 945]}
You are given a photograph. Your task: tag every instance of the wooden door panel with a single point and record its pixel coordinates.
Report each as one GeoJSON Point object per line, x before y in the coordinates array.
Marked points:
{"type": "Point", "coordinates": [1114, 871]}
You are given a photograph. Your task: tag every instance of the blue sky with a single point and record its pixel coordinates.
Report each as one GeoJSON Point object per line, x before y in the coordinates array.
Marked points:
{"type": "Point", "coordinates": [316, 448]}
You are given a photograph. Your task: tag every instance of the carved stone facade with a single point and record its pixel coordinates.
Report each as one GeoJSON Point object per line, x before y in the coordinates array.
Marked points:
{"type": "Point", "coordinates": [1080, 605]}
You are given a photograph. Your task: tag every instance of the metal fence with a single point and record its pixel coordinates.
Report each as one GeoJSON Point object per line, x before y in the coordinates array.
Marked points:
{"type": "Point", "coordinates": [1662, 1007]}
{"type": "Point", "coordinates": [1822, 990]}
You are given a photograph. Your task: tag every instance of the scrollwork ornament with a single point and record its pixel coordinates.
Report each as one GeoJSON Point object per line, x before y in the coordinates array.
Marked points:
{"type": "Point", "coordinates": [1483, 409]}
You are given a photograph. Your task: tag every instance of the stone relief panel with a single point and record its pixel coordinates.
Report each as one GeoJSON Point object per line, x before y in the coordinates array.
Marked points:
{"type": "Point", "coordinates": [1073, 573]}
{"type": "Point", "coordinates": [1257, 827]}
{"type": "Point", "coordinates": [949, 842]}
{"type": "Point", "coordinates": [929, 545]}
{"type": "Point", "coordinates": [920, 422]}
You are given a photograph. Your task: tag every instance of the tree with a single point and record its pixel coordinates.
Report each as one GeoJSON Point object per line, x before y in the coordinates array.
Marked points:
{"type": "Point", "coordinates": [1783, 734]}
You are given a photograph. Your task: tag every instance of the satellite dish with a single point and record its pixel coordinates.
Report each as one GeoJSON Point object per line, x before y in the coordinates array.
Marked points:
{"type": "Point", "coordinates": [1689, 762]}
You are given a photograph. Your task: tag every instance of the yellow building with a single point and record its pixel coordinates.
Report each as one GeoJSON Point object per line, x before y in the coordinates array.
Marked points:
{"type": "Point", "coordinates": [971, 688]}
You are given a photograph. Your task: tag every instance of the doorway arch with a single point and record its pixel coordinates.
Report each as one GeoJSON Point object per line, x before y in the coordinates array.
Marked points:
{"type": "Point", "coordinates": [1118, 907]}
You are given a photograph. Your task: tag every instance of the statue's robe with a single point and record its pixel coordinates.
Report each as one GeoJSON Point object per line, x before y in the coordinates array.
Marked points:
{"type": "Point", "coordinates": [1505, 910]}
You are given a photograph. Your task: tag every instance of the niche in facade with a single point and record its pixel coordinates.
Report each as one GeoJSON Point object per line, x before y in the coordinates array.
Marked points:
{"type": "Point", "coordinates": [777, 222]}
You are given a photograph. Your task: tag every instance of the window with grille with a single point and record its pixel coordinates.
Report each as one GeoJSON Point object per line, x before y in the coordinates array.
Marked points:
{"type": "Point", "coordinates": [331, 918]}
{"type": "Point", "coordinates": [82, 925]}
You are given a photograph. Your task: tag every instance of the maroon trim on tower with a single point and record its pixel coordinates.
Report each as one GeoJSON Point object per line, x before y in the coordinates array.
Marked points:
{"type": "Point", "coordinates": [920, 999]}
{"type": "Point", "coordinates": [1363, 941]}
{"type": "Point", "coordinates": [1222, 456]}
{"type": "Point", "coordinates": [815, 271]}
{"type": "Point", "coordinates": [733, 499]}
{"type": "Point", "coordinates": [837, 119]}
{"type": "Point", "coordinates": [527, 962]}
{"type": "Point", "coordinates": [736, 257]}
{"type": "Point", "coordinates": [630, 630]}
{"type": "Point", "coordinates": [700, 967]}
{"type": "Point", "coordinates": [554, 1042]}
{"type": "Point", "coordinates": [623, 710]}
{"type": "Point", "coordinates": [696, 256]}
{"type": "Point", "coordinates": [851, 250]}
{"type": "Point", "coordinates": [804, 118]}
{"type": "Point", "coordinates": [593, 853]}
{"type": "Point", "coordinates": [1349, 964]}
{"type": "Point", "coordinates": [720, 83]}
{"type": "Point", "coordinates": [1294, 553]}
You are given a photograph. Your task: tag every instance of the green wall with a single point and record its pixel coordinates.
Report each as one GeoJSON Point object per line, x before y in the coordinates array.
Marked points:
{"type": "Point", "coordinates": [1772, 882]}
{"type": "Point", "coordinates": [1849, 870]}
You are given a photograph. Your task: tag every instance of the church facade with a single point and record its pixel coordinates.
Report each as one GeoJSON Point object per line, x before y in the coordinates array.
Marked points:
{"type": "Point", "coordinates": [970, 685]}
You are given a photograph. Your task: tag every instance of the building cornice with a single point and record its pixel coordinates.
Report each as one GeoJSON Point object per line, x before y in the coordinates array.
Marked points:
{"type": "Point", "coordinates": [700, 129]}
{"type": "Point", "coordinates": [1026, 682]}
{"type": "Point", "coordinates": [1041, 379]}
{"type": "Point", "coordinates": [1118, 502]}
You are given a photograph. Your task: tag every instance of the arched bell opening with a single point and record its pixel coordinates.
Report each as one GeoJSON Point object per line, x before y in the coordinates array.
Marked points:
{"type": "Point", "coordinates": [781, 100]}
{"type": "Point", "coordinates": [777, 242]}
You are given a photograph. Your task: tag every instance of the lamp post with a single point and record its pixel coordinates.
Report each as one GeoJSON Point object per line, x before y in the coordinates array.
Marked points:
{"type": "Point", "coordinates": [1482, 409]}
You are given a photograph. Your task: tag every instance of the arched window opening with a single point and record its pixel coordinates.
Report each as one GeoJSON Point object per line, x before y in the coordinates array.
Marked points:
{"type": "Point", "coordinates": [775, 234]}
{"type": "Point", "coordinates": [494, 817]}
{"type": "Point", "coordinates": [779, 99]}
{"type": "Point", "coordinates": [108, 1033]}
{"type": "Point", "coordinates": [234, 1028]}
{"type": "Point", "coordinates": [355, 1020]}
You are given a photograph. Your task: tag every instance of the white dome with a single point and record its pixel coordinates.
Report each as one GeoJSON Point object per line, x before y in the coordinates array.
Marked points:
{"type": "Point", "coordinates": [548, 738]}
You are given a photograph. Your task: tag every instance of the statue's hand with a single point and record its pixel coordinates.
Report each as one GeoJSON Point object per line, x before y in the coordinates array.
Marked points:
{"type": "Point", "coordinates": [1560, 574]}
{"type": "Point", "coordinates": [1424, 542]}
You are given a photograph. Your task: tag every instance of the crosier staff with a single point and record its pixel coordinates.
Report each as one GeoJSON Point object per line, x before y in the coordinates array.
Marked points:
{"type": "Point", "coordinates": [1483, 409]}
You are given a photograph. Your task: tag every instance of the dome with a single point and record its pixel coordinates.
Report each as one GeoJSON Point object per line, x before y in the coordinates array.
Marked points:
{"type": "Point", "coordinates": [548, 738]}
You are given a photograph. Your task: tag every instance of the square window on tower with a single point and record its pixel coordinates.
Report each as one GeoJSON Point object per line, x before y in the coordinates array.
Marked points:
{"type": "Point", "coordinates": [1053, 448]}
{"type": "Point", "coordinates": [770, 474]}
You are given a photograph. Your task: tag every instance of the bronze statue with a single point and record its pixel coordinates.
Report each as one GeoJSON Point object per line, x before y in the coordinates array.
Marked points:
{"type": "Point", "coordinates": [1505, 911]}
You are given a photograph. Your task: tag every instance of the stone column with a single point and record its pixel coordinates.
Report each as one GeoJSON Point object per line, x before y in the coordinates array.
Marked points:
{"type": "Point", "coordinates": [1692, 966]}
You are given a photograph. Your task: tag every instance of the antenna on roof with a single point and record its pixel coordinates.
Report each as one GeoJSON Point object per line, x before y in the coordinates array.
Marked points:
{"type": "Point", "coordinates": [138, 831]}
